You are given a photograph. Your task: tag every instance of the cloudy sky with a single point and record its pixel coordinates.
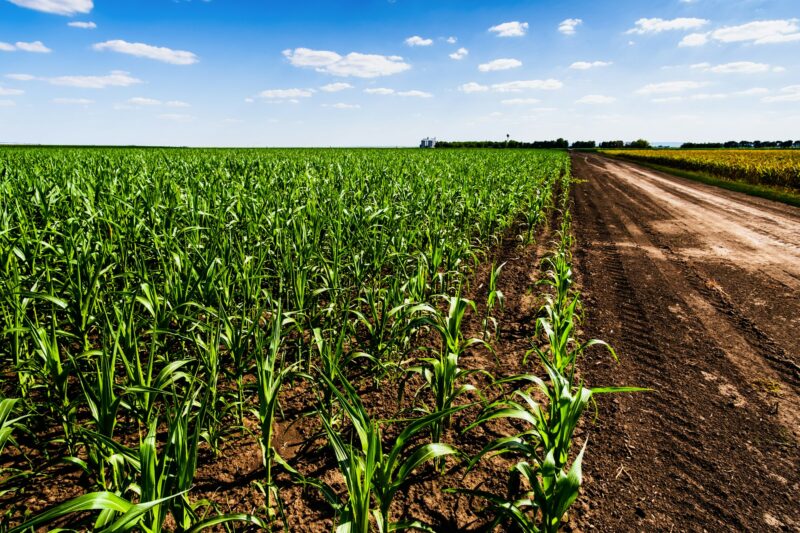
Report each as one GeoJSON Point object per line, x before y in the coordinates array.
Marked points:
{"type": "Point", "coordinates": [388, 72]}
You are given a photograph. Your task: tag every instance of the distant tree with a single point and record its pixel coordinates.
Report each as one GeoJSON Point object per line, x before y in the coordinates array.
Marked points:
{"type": "Point", "coordinates": [612, 144]}
{"type": "Point", "coordinates": [584, 144]}
{"type": "Point", "coordinates": [511, 144]}
{"type": "Point", "coordinates": [640, 144]}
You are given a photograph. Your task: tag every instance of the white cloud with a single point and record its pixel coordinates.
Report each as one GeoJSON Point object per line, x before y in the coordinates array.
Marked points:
{"type": "Point", "coordinates": [520, 101]}
{"type": "Point", "coordinates": [706, 96]}
{"type": "Point", "coordinates": [751, 92]}
{"type": "Point", "coordinates": [280, 94]}
{"type": "Point", "coordinates": [143, 101]}
{"type": "Point", "coordinates": [671, 87]}
{"type": "Point", "coordinates": [416, 40]}
{"type": "Point", "coordinates": [517, 86]}
{"type": "Point", "coordinates": [353, 64]}
{"type": "Point", "coordinates": [116, 78]}
{"type": "Point", "coordinates": [788, 94]}
{"type": "Point", "coordinates": [459, 54]}
{"type": "Point", "coordinates": [694, 39]}
{"type": "Point", "coordinates": [177, 103]}
{"type": "Point", "coordinates": [567, 27]}
{"type": "Point", "coordinates": [760, 32]}
{"type": "Point", "coordinates": [176, 117]}
{"type": "Point", "coordinates": [385, 92]}
{"type": "Point", "coordinates": [667, 100]}
{"type": "Point", "coordinates": [57, 7]}
{"type": "Point", "coordinates": [658, 25]}
{"type": "Point", "coordinates": [740, 67]}
{"type": "Point", "coordinates": [737, 67]}
{"type": "Point", "coordinates": [37, 47]}
{"type": "Point", "coordinates": [10, 92]}
{"type": "Point", "coordinates": [82, 25]}
{"type": "Point", "coordinates": [711, 96]}
{"type": "Point", "coordinates": [158, 53]}
{"type": "Point", "coordinates": [72, 101]}
{"type": "Point", "coordinates": [342, 105]}
{"type": "Point", "coordinates": [510, 29]}
{"type": "Point", "coordinates": [335, 87]}
{"type": "Point", "coordinates": [473, 87]}
{"type": "Point", "coordinates": [511, 86]}
{"type": "Point", "coordinates": [7, 103]}
{"type": "Point", "coordinates": [756, 32]}
{"type": "Point", "coordinates": [586, 65]}
{"type": "Point", "coordinates": [596, 99]}
{"type": "Point", "coordinates": [415, 94]}
{"type": "Point", "coordinates": [500, 64]}
{"type": "Point", "coordinates": [451, 40]}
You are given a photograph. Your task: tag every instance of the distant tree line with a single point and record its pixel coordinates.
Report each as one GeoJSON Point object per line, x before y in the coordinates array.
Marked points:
{"type": "Point", "coordinates": [558, 143]}
{"type": "Point", "coordinates": [745, 144]}
{"type": "Point", "coordinates": [638, 144]}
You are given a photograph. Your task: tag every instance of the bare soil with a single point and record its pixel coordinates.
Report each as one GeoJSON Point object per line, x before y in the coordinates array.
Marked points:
{"type": "Point", "coordinates": [698, 289]}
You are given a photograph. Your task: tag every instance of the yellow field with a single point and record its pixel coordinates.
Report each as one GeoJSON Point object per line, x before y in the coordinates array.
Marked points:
{"type": "Point", "coordinates": [779, 168]}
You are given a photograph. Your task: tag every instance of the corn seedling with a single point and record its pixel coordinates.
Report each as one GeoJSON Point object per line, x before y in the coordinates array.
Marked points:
{"type": "Point", "coordinates": [370, 473]}
{"type": "Point", "coordinates": [495, 297]}
{"type": "Point", "coordinates": [442, 375]}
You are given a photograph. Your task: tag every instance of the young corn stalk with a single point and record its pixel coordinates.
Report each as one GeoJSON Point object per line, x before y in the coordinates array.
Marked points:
{"type": "Point", "coordinates": [374, 476]}
{"type": "Point", "coordinates": [271, 373]}
{"type": "Point", "coordinates": [493, 298]}
{"type": "Point", "coordinates": [442, 375]}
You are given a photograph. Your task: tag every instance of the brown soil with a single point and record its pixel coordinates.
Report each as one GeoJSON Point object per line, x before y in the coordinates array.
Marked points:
{"type": "Point", "coordinates": [698, 289]}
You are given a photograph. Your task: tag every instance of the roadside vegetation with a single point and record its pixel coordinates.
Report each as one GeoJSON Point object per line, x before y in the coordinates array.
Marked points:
{"type": "Point", "coordinates": [778, 170]}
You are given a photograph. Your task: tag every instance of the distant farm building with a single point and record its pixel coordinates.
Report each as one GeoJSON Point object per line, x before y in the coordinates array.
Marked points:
{"type": "Point", "coordinates": [428, 142]}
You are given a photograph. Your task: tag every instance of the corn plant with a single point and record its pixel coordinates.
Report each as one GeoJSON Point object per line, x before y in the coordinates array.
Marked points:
{"type": "Point", "coordinates": [7, 423]}
{"type": "Point", "coordinates": [442, 375]}
{"type": "Point", "coordinates": [543, 485]}
{"type": "Point", "coordinates": [493, 298]}
{"type": "Point", "coordinates": [373, 476]}
{"type": "Point", "coordinates": [271, 373]}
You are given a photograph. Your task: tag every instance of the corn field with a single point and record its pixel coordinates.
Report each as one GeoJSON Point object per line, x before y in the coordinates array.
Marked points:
{"type": "Point", "coordinates": [155, 301]}
{"type": "Point", "coordinates": [778, 168]}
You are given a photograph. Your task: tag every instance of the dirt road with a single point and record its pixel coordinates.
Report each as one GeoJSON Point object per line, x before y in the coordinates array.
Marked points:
{"type": "Point", "coordinates": [698, 289]}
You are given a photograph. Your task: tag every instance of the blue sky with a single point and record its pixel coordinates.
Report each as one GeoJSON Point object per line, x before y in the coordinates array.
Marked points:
{"type": "Point", "coordinates": [388, 72]}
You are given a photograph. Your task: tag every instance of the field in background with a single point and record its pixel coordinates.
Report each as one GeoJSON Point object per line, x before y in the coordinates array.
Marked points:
{"type": "Point", "coordinates": [773, 168]}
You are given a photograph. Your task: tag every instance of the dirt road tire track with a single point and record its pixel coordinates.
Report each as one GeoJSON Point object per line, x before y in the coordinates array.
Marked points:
{"type": "Point", "coordinates": [714, 447]}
